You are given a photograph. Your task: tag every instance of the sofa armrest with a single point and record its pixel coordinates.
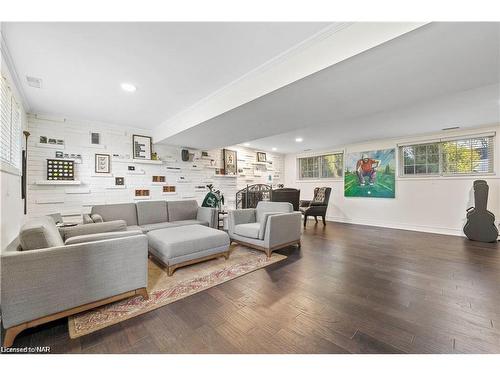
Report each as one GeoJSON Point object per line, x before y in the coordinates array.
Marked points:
{"type": "Point", "coordinates": [208, 214]}
{"type": "Point", "coordinates": [244, 216]}
{"type": "Point", "coordinates": [38, 283]}
{"type": "Point", "coordinates": [282, 228]}
{"type": "Point", "coordinates": [82, 230]}
{"type": "Point", "coordinates": [101, 236]}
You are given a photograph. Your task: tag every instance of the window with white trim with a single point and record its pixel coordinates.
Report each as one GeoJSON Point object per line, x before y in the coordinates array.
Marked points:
{"type": "Point", "coordinates": [326, 166]}
{"type": "Point", "coordinates": [449, 157]}
{"type": "Point", "coordinates": [10, 112]}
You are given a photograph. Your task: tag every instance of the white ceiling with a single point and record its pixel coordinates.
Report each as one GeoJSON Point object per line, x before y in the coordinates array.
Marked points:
{"type": "Point", "coordinates": [440, 75]}
{"type": "Point", "coordinates": [173, 65]}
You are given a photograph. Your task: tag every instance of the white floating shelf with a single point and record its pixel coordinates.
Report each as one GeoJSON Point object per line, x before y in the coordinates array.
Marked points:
{"type": "Point", "coordinates": [170, 193]}
{"type": "Point", "coordinates": [101, 175]}
{"type": "Point", "coordinates": [173, 170]}
{"type": "Point", "coordinates": [225, 175]}
{"type": "Point", "coordinates": [49, 201]}
{"type": "Point", "coordinates": [180, 181]}
{"type": "Point", "coordinates": [141, 198]}
{"type": "Point", "coordinates": [49, 145]}
{"type": "Point", "coordinates": [58, 182]}
{"type": "Point", "coordinates": [159, 183]}
{"type": "Point", "coordinates": [90, 145]}
{"type": "Point", "coordinates": [136, 172]}
{"type": "Point", "coordinates": [76, 161]}
{"type": "Point", "coordinates": [138, 161]}
{"type": "Point", "coordinates": [188, 196]}
{"type": "Point", "coordinates": [212, 167]}
{"type": "Point", "coordinates": [77, 191]}
{"type": "Point", "coordinates": [116, 187]}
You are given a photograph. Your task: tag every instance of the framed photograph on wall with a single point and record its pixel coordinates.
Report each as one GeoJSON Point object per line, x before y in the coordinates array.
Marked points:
{"type": "Point", "coordinates": [141, 147]}
{"type": "Point", "coordinates": [119, 181]}
{"type": "Point", "coordinates": [95, 138]}
{"type": "Point", "coordinates": [261, 157]}
{"type": "Point", "coordinates": [230, 162]}
{"type": "Point", "coordinates": [102, 163]}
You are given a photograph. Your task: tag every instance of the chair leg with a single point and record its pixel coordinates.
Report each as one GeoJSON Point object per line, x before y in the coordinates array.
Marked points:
{"type": "Point", "coordinates": [305, 220]}
{"type": "Point", "coordinates": [324, 221]}
{"type": "Point", "coordinates": [316, 218]}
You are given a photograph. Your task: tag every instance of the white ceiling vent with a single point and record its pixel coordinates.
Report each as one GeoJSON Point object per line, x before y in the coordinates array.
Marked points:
{"type": "Point", "coordinates": [34, 82]}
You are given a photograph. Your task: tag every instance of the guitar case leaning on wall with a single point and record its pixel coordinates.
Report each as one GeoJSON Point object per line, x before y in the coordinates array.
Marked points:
{"type": "Point", "coordinates": [480, 225]}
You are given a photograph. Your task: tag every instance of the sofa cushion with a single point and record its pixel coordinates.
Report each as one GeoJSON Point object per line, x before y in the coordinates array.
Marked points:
{"type": "Point", "coordinates": [263, 222]}
{"type": "Point", "coordinates": [101, 236]}
{"type": "Point", "coordinates": [96, 218]}
{"type": "Point", "coordinates": [172, 224]}
{"type": "Point", "coordinates": [182, 210]}
{"type": "Point", "coordinates": [40, 233]}
{"type": "Point", "coordinates": [250, 230]}
{"type": "Point", "coordinates": [120, 211]}
{"type": "Point", "coordinates": [262, 207]}
{"type": "Point", "coordinates": [151, 212]}
{"type": "Point", "coordinates": [81, 230]}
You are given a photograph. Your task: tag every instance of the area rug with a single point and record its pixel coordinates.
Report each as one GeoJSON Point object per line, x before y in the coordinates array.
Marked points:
{"type": "Point", "coordinates": [163, 289]}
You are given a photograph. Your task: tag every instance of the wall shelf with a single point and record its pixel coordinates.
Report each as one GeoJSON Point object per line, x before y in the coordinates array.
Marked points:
{"type": "Point", "coordinates": [76, 161]}
{"type": "Point", "coordinates": [225, 175]}
{"type": "Point", "coordinates": [116, 187]}
{"type": "Point", "coordinates": [142, 198]}
{"type": "Point", "coordinates": [137, 161]}
{"type": "Point", "coordinates": [170, 193]}
{"type": "Point", "coordinates": [101, 175]}
{"type": "Point", "coordinates": [132, 173]}
{"type": "Point", "coordinates": [58, 182]}
{"type": "Point", "coordinates": [49, 145]}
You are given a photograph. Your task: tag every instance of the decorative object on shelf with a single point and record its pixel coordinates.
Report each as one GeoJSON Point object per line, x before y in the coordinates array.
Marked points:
{"type": "Point", "coordinates": [204, 154]}
{"type": "Point", "coordinates": [214, 198]}
{"type": "Point", "coordinates": [95, 138]}
{"type": "Point", "coordinates": [141, 192]}
{"type": "Point", "coordinates": [60, 169]}
{"type": "Point", "coordinates": [119, 181]}
{"type": "Point", "coordinates": [24, 171]}
{"type": "Point", "coordinates": [261, 157]}
{"type": "Point", "coordinates": [169, 189]}
{"type": "Point", "coordinates": [370, 174]}
{"type": "Point", "coordinates": [154, 156]}
{"type": "Point", "coordinates": [102, 163]}
{"type": "Point", "coordinates": [52, 141]}
{"type": "Point", "coordinates": [480, 225]}
{"type": "Point", "coordinates": [158, 178]}
{"type": "Point", "coordinates": [185, 155]}
{"type": "Point", "coordinates": [59, 154]}
{"type": "Point", "coordinates": [230, 162]}
{"type": "Point", "coordinates": [60, 142]}
{"type": "Point", "coordinates": [131, 168]}
{"type": "Point", "coordinates": [141, 147]}
{"type": "Point", "coordinates": [43, 139]}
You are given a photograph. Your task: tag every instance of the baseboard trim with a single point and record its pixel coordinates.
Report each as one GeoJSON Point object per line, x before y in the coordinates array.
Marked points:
{"type": "Point", "coordinates": [412, 227]}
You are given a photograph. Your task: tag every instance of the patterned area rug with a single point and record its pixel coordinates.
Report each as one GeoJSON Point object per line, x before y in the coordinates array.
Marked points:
{"type": "Point", "coordinates": [163, 289]}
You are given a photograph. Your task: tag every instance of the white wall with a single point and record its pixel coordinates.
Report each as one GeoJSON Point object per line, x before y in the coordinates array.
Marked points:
{"type": "Point", "coordinates": [75, 200]}
{"type": "Point", "coordinates": [429, 204]}
{"type": "Point", "coordinates": [11, 204]}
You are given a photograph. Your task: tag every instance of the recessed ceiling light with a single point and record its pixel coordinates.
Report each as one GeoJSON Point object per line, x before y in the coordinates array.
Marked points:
{"type": "Point", "coordinates": [128, 87]}
{"type": "Point", "coordinates": [246, 144]}
{"type": "Point", "coordinates": [298, 140]}
{"type": "Point", "coordinates": [274, 148]}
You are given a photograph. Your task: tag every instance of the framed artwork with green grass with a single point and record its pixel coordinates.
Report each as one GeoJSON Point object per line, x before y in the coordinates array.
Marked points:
{"type": "Point", "coordinates": [370, 174]}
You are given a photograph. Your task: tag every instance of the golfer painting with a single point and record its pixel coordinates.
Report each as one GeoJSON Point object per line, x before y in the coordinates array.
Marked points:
{"type": "Point", "coordinates": [370, 174]}
{"type": "Point", "coordinates": [367, 168]}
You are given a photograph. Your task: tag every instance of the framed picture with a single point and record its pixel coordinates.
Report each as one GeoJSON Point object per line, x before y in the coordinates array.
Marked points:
{"type": "Point", "coordinates": [370, 174]}
{"type": "Point", "coordinates": [261, 157]}
{"type": "Point", "coordinates": [119, 181]}
{"type": "Point", "coordinates": [95, 138]}
{"type": "Point", "coordinates": [230, 162]}
{"type": "Point", "coordinates": [52, 141]}
{"type": "Point", "coordinates": [141, 147]}
{"type": "Point", "coordinates": [102, 163]}
{"type": "Point", "coordinates": [158, 178]}
{"type": "Point", "coordinates": [131, 168]}
{"type": "Point", "coordinates": [60, 169]}
{"type": "Point", "coordinates": [43, 139]}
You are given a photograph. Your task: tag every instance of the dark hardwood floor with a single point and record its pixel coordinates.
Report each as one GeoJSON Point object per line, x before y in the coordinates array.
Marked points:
{"type": "Point", "coordinates": [350, 289]}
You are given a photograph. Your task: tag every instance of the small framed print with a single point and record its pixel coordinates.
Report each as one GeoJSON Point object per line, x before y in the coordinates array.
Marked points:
{"type": "Point", "coordinates": [131, 168]}
{"type": "Point", "coordinates": [102, 163]}
{"type": "Point", "coordinates": [43, 139]}
{"type": "Point", "coordinates": [141, 147]}
{"type": "Point", "coordinates": [95, 138]}
{"type": "Point", "coordinates": [261, 157]}
{"type": "Point", "coordinates": [158, 178]}
{"type": "Point", "coordinates": [229, 158]}
{"type": "Point", "coordinates": [119, 181]}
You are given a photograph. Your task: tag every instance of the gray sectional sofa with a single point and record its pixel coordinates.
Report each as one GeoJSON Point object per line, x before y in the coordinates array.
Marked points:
{"type": "Point", "coordinates": [47, 274]}
{"type": "Point", "coordinates": [151, 215]}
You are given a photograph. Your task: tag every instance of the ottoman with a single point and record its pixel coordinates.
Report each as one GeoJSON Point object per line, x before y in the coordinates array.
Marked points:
{"type": "Point", "coordinates": [180, 246]}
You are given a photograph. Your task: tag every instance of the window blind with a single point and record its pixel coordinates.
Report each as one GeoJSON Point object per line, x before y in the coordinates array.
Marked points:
{"type": "Point", "coordinates": [10, 138]}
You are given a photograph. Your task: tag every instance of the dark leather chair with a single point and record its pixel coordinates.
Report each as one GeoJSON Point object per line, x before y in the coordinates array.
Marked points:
{"type": "Point", "coordinates": [287, 195]}
{"type": "Point", "coordinates": [317, 206]}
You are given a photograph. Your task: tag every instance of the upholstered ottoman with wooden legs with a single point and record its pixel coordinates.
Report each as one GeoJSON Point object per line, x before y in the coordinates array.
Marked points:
{"type": "Point", "coordinates": [180, 246]}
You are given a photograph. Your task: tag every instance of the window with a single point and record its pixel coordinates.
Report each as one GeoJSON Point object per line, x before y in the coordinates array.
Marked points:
{"type": "Point", "coordinates": [321, 166]}
{"type": "Point", "coordinates": [448, 157]}
{"type": "Point", "coordinates": [11, 127]}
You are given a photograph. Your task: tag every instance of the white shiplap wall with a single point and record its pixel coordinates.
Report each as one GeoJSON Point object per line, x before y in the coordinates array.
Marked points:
{"type": "Point", "coordinates": [75, 200]}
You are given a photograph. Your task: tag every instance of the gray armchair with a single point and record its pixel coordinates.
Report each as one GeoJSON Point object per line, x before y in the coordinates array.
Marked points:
{"type": "Point", "coordinates": [270, 226]}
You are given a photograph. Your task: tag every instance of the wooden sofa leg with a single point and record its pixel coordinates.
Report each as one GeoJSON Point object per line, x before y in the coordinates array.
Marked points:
{"type": "Point", "coordinates": [11, 334]}
{"type": "Point", "coordinates": [226, 255]}
{"type": "Point", "coordinates": [170, 270]}
{"type": "Point", "coordinates": [269, 253]}
{"type": "Point", "coordinates": [143, 292]}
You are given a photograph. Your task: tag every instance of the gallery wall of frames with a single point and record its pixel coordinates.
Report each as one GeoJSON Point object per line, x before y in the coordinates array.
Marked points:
{"type": "Point", "coordinates": [92, 163]}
